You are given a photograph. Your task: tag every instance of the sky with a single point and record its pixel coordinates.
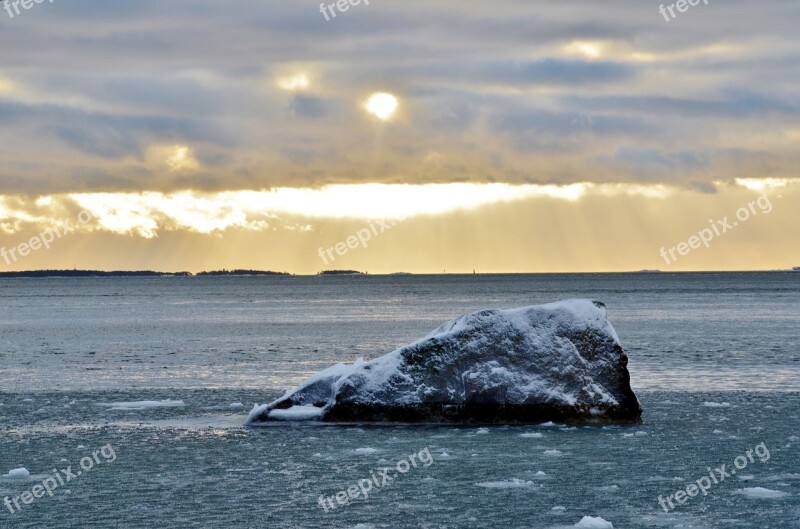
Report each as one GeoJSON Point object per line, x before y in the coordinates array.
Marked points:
{"type": "Point", "coordinates": [400, 136]}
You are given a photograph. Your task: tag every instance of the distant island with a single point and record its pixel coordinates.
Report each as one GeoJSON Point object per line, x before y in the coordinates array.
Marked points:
{"type": "Point", "coordinates": [341, 273]}
{"type": "Point", "coordinates": [242, 273]}
{"type": "Point", "coordinates": [92, 273]}
{"type": "Point", "coordinates": [134, 273]}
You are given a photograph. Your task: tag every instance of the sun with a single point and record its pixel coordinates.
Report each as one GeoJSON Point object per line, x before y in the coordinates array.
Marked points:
{"type": "Point", "coordinates": [381, 105]}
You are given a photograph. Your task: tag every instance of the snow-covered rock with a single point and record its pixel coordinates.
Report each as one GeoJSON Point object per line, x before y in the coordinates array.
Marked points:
{"type": "Point", "coordinates": [559, 362]}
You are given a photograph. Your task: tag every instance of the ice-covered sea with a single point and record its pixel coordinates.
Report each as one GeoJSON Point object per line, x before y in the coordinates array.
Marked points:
{"type": "Point", "coordinates": [162, 372]}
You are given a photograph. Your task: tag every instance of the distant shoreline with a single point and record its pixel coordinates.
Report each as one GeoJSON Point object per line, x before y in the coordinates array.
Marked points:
{"type": "Point", "coordinates": [34, 274]}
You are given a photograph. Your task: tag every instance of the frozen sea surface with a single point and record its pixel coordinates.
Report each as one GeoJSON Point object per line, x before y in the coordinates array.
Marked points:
{"type": "Point", "coordinates": [164, 371]}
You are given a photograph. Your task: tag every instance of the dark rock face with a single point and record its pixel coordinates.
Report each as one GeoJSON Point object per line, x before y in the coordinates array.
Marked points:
{"type": "Point", "coordinates": [560, 362]}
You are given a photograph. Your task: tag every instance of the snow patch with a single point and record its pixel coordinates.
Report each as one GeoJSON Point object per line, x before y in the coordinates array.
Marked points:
{"type": "Point", "coordinates": [296, 413]}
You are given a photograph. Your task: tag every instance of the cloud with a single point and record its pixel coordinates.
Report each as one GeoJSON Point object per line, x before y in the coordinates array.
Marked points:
{"type": "Point", "coordinates": [490, 92]}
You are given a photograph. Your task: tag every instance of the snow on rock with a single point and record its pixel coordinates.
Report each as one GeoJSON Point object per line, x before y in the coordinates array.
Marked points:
{"type": "Point", "coordinates": [558, 362]}
{"type": "Point", "coordinates": [297, 413]}
{"type": "Point", "coordinates": [590, 522]}
{"type": "Point", "coordinates": [762, 493]}
{"type": "Point", "coordinates": [18, 473]}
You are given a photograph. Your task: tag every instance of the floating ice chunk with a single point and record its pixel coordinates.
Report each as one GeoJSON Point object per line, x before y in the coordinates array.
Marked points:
{"type": "Point", "coordinates": [531, 435]}
{"type": "Point", "coordinates": [142, 404]}
{"type": "Point", "coordinates": [296, 413]}
{"type": "Point", "coordinates": [540, 473]}
{"type": "Point", "coordinates": [236, 405]}
{"type": "Point", "coordinates": [761, 493]}
{"type": "Point", "coordinates": [558, 509]}
{"type": "Point", "coordinates": [508, 484]}
{"type": "Point", "coordinates": [368, 450]}
{"type": "Point", "coordinates": [608, 488]}
{"type": "Point", "coordinates": [18, 473]}
{"type": "Point", "coordinates": [717, 404]}
{"type": "Point", "coordinates": [482, 431]}
{"type": "Point", "coordinates": [552, 452]}
{"type": "Point", "coordinates": [444, 454]}
{"type": "Point", "coordinates": [590, 522]}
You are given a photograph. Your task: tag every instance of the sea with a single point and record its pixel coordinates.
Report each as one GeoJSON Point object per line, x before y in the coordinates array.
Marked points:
{"type": "Point", "coordinates": [123, 404]}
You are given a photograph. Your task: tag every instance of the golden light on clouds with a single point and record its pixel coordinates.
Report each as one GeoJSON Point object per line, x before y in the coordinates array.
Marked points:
{"type": "Point", "coordinates": [6, 85]}
{"type": "Point", "coordinates": [458, 226]}
{"type": "Point", "coordinates": [181, 158]}
{"type": "Point", "coordinates": [382, 105]}
{"type": "Point", "coordinates": [294, 82]}
{"type": "Point", "coordinates": [765, 184]}
{"type": "Point", "coordinates": [591, 50]}
{"type": "Point", "coordinates": [209, 212]}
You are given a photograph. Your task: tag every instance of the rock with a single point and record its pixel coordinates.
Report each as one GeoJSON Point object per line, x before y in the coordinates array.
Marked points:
{"type": "Point", "coordinates": [560, 362]}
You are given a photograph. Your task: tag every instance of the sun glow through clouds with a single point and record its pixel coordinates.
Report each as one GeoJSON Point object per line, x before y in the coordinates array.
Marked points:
{"type": "Point", "coordinates": [382, 105]}
{"type": "Point", "coordinates": [294, 83]}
